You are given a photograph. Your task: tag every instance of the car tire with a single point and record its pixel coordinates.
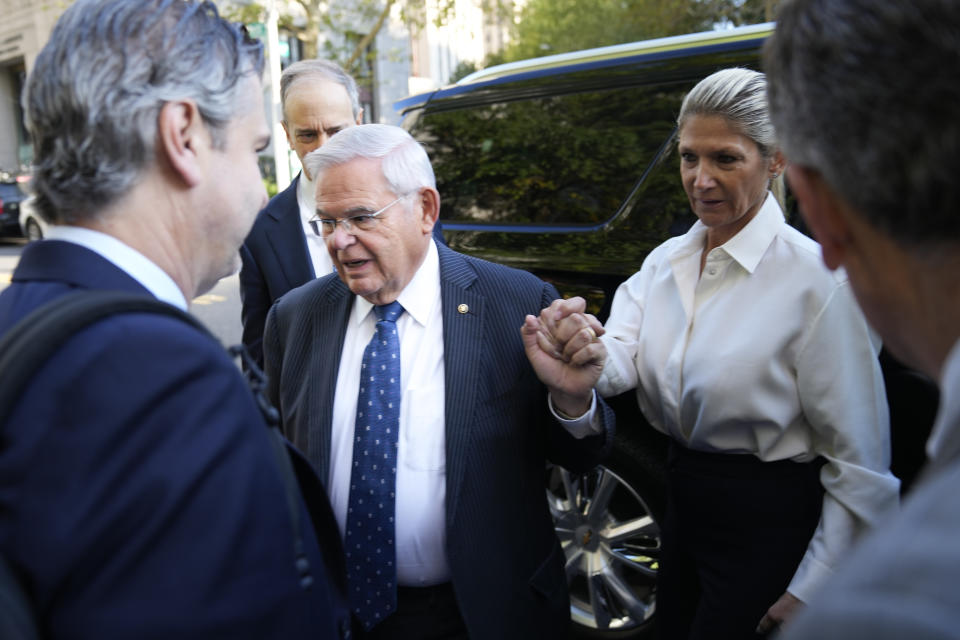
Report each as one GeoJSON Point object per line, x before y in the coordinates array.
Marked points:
{"type": "Point", "coordinates": [34, 232]}
{"type": "Point", "coordinates": [607, 523]}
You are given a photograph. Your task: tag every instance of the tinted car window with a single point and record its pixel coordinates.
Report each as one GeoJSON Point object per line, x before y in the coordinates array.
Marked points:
{"type": "Point", "coordinates": [549, 160]}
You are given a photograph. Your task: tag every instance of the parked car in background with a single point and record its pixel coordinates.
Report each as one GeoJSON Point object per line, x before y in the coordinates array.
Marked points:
{"type": "Point", "coordinates": [11, 196]}
{"type": "Point", "coordinates": [32, 225]}
{"type": "Point", "coordinates": [566, 166]}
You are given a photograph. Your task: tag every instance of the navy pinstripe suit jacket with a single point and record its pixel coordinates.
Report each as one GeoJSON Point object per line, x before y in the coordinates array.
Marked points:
{"type": "Point", "coordinates": [506, 561]}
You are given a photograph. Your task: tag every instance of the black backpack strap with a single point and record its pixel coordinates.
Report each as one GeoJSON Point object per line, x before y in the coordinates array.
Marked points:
{"type": "Point", "coordinates": [33, 340]}
{"type": "Point", "coordinates": [37, 336]}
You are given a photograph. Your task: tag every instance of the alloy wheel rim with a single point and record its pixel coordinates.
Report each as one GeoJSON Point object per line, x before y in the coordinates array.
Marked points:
{"type": "Point", "coordinates": [612, 547]}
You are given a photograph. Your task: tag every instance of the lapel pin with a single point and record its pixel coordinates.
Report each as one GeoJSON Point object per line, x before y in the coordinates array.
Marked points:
{"type": "Point", "coordinates": [462, 308]}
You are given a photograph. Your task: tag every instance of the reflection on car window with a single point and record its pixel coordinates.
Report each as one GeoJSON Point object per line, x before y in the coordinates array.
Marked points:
{"type": "Point", "coordinates": [570, 159]}
{"type": "Point", "coordinates": [555, 159]}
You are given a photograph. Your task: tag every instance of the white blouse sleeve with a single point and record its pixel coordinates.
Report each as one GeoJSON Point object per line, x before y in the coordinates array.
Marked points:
{"type": "Point", "coordinates": [842, 394]}
{"type": "Point", "coordinates": [621, 337]}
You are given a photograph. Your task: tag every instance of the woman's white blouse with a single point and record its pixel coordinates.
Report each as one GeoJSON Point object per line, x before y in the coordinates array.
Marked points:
{"type": "Point", "coordinates": [764, 353]}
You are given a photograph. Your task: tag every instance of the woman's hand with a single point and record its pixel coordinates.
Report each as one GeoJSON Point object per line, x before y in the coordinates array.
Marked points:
{"type": "Point", "coordinates": [563, 348]}
{"type": "Point", "coordinates": [782, 610]}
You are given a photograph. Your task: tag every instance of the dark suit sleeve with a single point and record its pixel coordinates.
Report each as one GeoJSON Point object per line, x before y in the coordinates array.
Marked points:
{"type": "Point", "coordinates": [255, 302]}
{"type": "Point", "coordinates": [577, 454]}
{"type": "Point", "coordinates": [148, 503]}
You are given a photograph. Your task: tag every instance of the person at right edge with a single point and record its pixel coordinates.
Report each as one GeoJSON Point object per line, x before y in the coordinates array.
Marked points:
{"type": "Point", "coordinates": [757, 363]}
{"type": "Point", "coordinates": [865, 97]}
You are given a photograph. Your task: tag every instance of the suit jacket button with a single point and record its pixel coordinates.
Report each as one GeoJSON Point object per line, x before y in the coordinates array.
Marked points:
{"type": "Point", "coordinates": [462, 308]}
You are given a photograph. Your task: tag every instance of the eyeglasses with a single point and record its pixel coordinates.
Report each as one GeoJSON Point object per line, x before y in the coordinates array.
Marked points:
{"type": "Point", "coordinates": [362, 222]}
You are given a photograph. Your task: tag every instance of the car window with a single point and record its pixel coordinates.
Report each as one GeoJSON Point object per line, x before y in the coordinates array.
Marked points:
{"type": "Point", "coordinates": [562, 159]}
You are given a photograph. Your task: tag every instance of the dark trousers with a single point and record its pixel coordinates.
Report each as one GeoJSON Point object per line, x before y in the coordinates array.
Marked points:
{"type": "Point", "coordinates": [423, 613]}
{"type": "Point", "coordinates": [734, 533]}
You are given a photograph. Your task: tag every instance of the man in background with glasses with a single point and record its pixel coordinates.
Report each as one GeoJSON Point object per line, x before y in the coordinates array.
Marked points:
{"type": "Point", "coordinates": [404, 379]}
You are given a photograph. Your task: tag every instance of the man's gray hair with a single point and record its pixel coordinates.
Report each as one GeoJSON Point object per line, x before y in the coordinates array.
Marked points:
{"type": "Point", "coordinates": [95, 93]}
{"type": "Point", "coordinates": [866, 93]}
{"type": "Point", "coordinates": [740, 97]}
{"type": "Point", "coordinates": [323, 69]}
{"type": "Point", "coordinates": [405, 164]}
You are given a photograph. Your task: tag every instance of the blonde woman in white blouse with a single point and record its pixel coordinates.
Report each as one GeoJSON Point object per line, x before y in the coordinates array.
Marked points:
{"type": "Point", "coordinates": [756, 361]}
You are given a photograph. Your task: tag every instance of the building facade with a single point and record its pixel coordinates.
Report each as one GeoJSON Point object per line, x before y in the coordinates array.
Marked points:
{"type": "Point", "coordinates": [410, 53]}
{"type": "Point", "coordinates": [24, 29]}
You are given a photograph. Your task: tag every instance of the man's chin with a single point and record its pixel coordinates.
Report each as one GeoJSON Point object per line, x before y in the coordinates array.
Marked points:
{"type": "Point", "coordinates": [230, 269]}
{"type": "Point", "coordinates": [365, 289]}
{"type": "Point", "coordinates": [359, 287]}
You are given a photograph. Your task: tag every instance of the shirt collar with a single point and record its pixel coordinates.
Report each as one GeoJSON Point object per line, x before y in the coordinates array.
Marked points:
{"type": "Point", "coordinates": [129, 260]}
{"type": "Point", "coordinates": [306, 197]}
{"type": "Point", "coordinates": [418, 297]}
{"type": "Point", "coordinates": [748, 246]}
{"type": "Point", "coordinates": [944, 428]}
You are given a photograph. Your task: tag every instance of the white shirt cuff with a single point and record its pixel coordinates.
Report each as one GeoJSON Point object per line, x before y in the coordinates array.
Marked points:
{"type": "Point", "coordinates": [586, 425]}
{"type": "Point", "coordinates": [809, 577]}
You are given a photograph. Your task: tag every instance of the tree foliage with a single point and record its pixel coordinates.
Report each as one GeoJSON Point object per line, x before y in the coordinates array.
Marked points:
{"type": "Point", "coordinates": [349, 26]}
{"type": "Point", "coordinates": [556, 26]}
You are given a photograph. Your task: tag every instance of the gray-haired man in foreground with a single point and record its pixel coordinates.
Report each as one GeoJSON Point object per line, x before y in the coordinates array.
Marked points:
{"type": "Point", "coordinates": [865, 99]}
{"type": "Point", "coordinates": [140, 496]}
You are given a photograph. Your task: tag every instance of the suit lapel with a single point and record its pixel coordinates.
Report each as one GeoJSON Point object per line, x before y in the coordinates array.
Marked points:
{"type": "Point", "coordinates": [330, 313]}
{"type": "Point", "coordinates": [462, 308]}
{"type": "Point", "coordinates": [285, 237]}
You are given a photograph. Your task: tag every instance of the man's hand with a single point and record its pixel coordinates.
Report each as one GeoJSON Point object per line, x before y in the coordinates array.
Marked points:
{"type": "Point", "coordinates": [563, 348]}
{"type": "Point", "coordinates": [782, 610]}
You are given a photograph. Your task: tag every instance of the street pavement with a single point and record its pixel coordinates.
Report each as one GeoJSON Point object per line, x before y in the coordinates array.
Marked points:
{"type": "Point", "coordinates": [219, 309]}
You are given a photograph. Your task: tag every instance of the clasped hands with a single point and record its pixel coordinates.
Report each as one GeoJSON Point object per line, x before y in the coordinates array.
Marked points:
{"type": "Point", "coordinates": [563, 347]}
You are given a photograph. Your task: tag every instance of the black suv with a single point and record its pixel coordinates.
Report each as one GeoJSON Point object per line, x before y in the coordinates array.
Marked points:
{"type": "Point", "coordinates": [566, 166]}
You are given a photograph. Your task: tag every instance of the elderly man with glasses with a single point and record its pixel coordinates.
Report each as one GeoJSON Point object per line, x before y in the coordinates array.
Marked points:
{"type": "Point", "coordinates": [404, 379]}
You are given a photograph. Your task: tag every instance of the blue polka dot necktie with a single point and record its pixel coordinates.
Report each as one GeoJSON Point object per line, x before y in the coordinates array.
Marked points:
{"type": "Point", "coordinates": [371, 552]}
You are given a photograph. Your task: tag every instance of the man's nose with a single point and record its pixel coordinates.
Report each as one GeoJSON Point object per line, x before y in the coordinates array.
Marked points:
{"type": "Point", "coordinates": [340, 238]}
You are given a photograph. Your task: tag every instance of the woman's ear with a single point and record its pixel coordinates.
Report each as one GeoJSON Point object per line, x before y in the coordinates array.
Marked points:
{"type": "Point", "coordinates": [181, 134]}
{"type": "Point", "coordinates": [777, 164]}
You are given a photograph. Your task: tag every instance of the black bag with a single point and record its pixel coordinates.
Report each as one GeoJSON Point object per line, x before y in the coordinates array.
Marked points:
{"type": "Point", "coordinates": [33, 340]}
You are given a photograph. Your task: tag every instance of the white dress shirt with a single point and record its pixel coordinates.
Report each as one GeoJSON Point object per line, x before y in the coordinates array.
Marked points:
{"type": "Point", "coordinates": [316, 245]}
{"type": "Point", "coordinates": [421, 455]}
{"type": "Point", "coordinates": [765, 353]}
{"type": "Point", "coordinates": [126, 258]}
{"type": "Point", "coordinates": [421, 460]}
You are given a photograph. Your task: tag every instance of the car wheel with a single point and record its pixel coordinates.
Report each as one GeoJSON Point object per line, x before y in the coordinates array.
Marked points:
{"type": "Point", "coordinates": [611, 539]}
{"type": "Point", "coordinates": [34, 232]}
